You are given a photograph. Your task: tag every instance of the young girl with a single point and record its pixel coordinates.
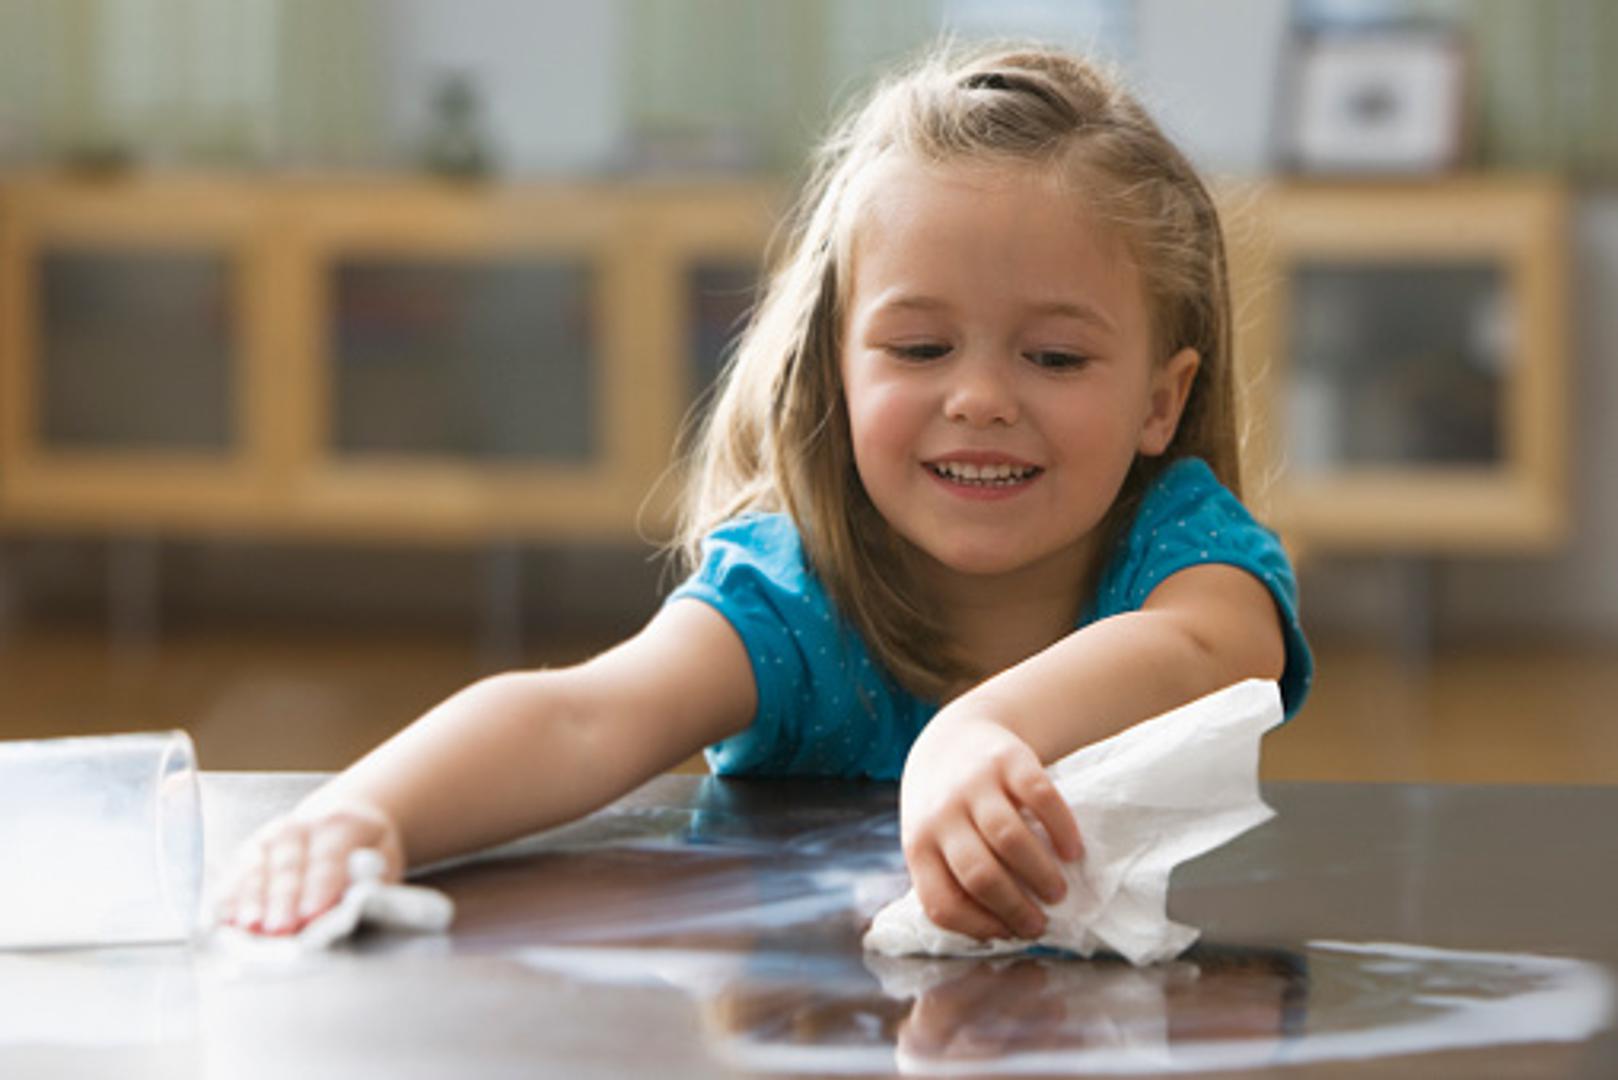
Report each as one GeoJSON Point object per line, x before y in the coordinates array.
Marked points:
{"type": "Point", "coordinates": [965, 503]}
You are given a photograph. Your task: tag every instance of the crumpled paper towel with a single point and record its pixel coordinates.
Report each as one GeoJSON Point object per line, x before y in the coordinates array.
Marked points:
{"type": "Point", "coordinates": [368, 900]}
{"type": "Point", "coordinates": [1147, 799]}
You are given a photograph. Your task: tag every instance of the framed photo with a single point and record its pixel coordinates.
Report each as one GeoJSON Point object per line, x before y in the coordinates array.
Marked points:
{"type": "Point", "coordinates": [1376, 100]}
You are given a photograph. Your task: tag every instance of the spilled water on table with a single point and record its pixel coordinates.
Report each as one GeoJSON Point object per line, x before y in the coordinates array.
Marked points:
{"type": "Point", "coordinates": [762, 932]}
{"type": "Point", "coordinates": [1218, 1007]}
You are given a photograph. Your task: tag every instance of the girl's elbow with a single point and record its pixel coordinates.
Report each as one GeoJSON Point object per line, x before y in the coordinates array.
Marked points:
{"type": "Point", "coordinates": [1265, 657]}
{"type": "Point", "coordinates": [1234, 653]}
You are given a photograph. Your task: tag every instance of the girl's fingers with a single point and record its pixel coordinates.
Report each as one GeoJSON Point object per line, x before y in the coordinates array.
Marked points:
{"type": "Point", "coordinates": [287, 856]}
{"type": "Point", "coordinates": [323, 884]}
{"type": "Point", "coordinates": [1016, 845]}
{"type": "Point", "coordinates": [986, 880]}
{"type": "Point", "coordinates": [326, 874]}
{"type": "Point", "coordinates": [947, 904]}
{"type": "Point", "coordinates": [1034, 789]}
{"type": "Point", "coordinates": [294, 869]}
{"type": "Point", "coordinates": [247, 904]}
{"type": "Point", "coordinates": [255, 882]}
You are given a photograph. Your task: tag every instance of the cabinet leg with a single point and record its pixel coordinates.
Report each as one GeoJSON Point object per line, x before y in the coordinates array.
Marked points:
{"type": "Point", "coordinates": [1417, 612]}
{"type": "Point", "coordinates": [11, 600]}
{"type": "Point", "coordinates": [134, 595]}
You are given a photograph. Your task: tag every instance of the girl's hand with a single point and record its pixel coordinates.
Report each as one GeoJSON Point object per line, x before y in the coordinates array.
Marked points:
{"type": "Point", "coordinates": [970, 791]}
{"type": "Point", "coordinates": [296, 867]}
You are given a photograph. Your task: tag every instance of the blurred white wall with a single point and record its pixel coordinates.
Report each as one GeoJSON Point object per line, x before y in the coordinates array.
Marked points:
{"type": "Point", "coordinates": [552, 77]}
{"type": "Point", "coordinates": [547, 71]}
{"type": "Point", "coordinates": [1209, 73]}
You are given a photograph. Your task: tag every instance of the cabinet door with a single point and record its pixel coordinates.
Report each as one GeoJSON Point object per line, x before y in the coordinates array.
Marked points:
{"type": "Point", "coordinates": [136, 352]}
{"type": "Point", "coordinates": [131, 345]}
{"type": "Point", "coordinates": [702, 252]}
{"type": "Point", "coordinates": [468, 368]}
{"type": "Point", "coordinates": [1404, 345]}
{"type": "Point", "coordinates": [1397, 366]}
{"type": "Point", "coordinates": [719, 298]}
{"type": "Point", "coordinates": [479, 361]}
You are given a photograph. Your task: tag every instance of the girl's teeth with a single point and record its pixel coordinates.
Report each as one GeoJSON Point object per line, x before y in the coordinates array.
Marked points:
{"type": "Point", "coordinates": [962, 472]}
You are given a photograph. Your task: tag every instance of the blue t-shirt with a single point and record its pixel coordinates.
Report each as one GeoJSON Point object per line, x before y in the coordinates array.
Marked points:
{"type": "Point", "coordinates": [826, 708]}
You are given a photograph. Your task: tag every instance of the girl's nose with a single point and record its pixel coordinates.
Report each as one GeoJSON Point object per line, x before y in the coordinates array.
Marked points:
{"type": "Point", "coordinates": [981, 394]}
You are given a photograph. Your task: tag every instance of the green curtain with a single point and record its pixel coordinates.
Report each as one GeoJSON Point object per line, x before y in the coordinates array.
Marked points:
{"type": "Point", "coordinates": [754, 82]}
{"type": "Point", "coordinates": [302, 82]}
{"type": "Point", "coordinates": [1548, 92]}
{"type": "Point", "coordinates": [47, 74]}
{"type": "Point", "coordinates": [1545, 89]}
{"type": "Point", "coordinates": [237, 82]}
{"type": "Point", "coordinates": [332, 104]}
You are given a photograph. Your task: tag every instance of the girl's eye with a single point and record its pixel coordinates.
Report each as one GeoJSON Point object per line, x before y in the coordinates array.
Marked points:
{"type": "Point", "coordinates": [928, 351]}
{"type": "Point", "coordinates": [1049, 358]}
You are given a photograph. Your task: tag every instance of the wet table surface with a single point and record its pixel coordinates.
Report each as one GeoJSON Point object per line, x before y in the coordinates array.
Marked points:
{"type": "Point", "coordinates": [702, 927]}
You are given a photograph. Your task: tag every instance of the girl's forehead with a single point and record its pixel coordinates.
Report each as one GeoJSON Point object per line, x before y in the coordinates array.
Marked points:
{"type": "Point", "coordinates": [898, 188]}
{"type": "Point", "coordinates": [971, 212]}
{"type": "Point", "coordinates": [899, 174]}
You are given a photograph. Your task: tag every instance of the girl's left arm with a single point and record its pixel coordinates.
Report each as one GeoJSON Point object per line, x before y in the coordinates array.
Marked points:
{"type": "Point", "coordinates": [978, 766]}
{"type": "Point", "coordinates": [1200, 630]}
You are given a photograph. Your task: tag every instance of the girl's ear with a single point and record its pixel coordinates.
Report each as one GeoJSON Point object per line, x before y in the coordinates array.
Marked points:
{"type": "Point", "coordinates": [1171, 386]}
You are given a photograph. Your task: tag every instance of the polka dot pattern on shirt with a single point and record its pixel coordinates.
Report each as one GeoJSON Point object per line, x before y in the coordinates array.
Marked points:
{"type": "Point", "coordinates": [825, 709]}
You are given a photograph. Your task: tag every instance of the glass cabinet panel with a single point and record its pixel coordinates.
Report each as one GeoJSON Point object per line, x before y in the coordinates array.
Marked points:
{"type": "Point", "coordinates": [1397, 364]}
{"type": "Point", "coordinates": [719, 297]}
{"type": "Point", "coordinates": [136, 350]}
{"type": "Point", "coordinates": [489, 360]}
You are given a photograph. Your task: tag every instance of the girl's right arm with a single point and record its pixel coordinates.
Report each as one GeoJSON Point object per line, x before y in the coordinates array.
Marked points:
{"type": "Point", "coordinates": [505, 757]}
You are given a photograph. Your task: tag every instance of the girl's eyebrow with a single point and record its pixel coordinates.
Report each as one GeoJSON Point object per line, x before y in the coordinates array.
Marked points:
{"type": "Point", "coordinates": [1071, 309]}
{"type": "Point", "coordinates": [1083, 312]}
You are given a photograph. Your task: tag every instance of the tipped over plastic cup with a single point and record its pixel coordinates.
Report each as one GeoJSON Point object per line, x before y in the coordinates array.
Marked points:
{"type": "Point", "coordinates": [100, 841]}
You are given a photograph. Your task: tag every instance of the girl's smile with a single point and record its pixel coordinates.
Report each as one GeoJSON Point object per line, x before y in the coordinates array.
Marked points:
{"type": "Point", "coordinates": [976, 474]}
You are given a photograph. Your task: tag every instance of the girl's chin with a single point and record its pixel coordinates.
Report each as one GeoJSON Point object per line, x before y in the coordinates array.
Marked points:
{"type": "Point", "coordinates": [978, 563]}
{"type": "Point", "coordinates": [982, 561]}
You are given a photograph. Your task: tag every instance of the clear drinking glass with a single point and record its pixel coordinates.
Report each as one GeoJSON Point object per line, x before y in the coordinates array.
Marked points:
{"type": "Point", "coordinates": [100, 841]}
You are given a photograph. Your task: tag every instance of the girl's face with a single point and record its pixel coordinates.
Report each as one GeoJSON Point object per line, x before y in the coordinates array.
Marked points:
{"type": "Point", "coordinates": [997, 366]}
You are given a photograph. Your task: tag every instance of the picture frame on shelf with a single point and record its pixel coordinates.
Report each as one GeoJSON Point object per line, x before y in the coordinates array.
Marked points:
{"type": "Point", "coordinates": [1376, 101]}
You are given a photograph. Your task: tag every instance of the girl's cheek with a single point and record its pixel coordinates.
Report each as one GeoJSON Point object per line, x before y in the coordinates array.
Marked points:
{"type": "Point", "coordinates": [892, 402]}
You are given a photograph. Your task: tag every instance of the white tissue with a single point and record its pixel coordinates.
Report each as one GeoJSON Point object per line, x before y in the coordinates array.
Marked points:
{"type": "Point", "coordinates": [1163, 791]}
{"type": "Point", "coordinates": [368, 900]}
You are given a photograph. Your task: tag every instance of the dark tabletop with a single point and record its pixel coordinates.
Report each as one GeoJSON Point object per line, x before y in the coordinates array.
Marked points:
{"type": "Point", "coordinates": [702, 927]}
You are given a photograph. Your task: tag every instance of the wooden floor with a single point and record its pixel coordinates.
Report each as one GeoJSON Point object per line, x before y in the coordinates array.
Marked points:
{"type": "Point", "coordinates": [275, 699]}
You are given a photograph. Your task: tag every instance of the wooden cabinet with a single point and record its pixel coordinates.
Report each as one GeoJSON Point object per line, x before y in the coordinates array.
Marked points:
{"type": "Point", "coordinates": [400, 359]}
{"type": "Point", "coordinates": [370, 358]}
{"type": "Point", "coordinates": [139, 336]}
{"type": "Point", "coordinates": [1403, 348]}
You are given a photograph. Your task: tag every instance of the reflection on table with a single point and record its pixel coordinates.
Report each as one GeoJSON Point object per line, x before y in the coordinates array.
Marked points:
{"type": "Point", "coordinates": [701, 925]}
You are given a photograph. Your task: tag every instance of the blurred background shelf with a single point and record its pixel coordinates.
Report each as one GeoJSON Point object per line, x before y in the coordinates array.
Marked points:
{"type": "Point", "coordinates": [398, 360]}
{"type": "Point", "coordinates": [375, 359]}
{"type": "Point", "coordinates": [1405, 348]}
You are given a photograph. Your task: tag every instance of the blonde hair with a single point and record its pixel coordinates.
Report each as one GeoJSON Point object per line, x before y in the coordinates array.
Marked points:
{"type": "Point", "coordinates": [777, 438]}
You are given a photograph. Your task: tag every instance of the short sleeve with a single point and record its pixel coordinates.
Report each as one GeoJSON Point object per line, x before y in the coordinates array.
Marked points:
{"type": "Point", "coordinates": [1188, 518]}
{"type": "Point", "coordinates": [825, 708]}
{"type": "Point", "coordinates": [752, 586]}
